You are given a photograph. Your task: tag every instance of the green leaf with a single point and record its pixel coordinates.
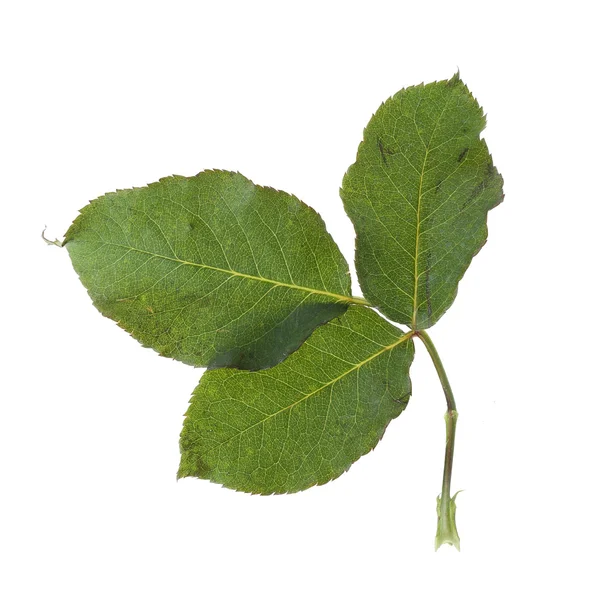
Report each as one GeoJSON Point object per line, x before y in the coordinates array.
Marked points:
{"type": "Point", "coordinates": [418, 195]}
{"type": "Point", "coordinates": [305, 421]}
{"type": "Point", "coordinates": [210, 270]}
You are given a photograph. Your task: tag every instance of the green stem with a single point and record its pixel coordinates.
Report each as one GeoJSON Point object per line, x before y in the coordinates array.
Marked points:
{"type": "Point", "coordinates": [439, 367]}
{"type": "Point", "coordinates": [446, 504]}
{"type": "Point", "coordinates": [360, 301]}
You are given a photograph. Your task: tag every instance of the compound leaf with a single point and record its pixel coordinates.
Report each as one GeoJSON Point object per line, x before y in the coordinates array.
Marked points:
{"type": "Point", "coordinates": [210, 270]}
{"type": "Point", "coordinates": [306, 420]}
{"type": "Point", "coordinates": [418, 195]}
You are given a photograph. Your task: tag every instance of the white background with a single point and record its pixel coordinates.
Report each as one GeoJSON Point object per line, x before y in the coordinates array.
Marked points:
{"type": "Point", "coordinates": [103, 95]}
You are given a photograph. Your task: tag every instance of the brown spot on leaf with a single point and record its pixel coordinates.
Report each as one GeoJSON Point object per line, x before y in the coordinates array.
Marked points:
{"type": "Point", "coordinates": [474, 194]}
{"type": "Point", "coordinates": [385, 152]}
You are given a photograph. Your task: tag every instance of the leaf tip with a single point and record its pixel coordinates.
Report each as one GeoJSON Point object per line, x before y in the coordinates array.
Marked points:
{"type": "Point", "coordinates": [51, 242]}
{"type": "Point", "coordinates": [455, 79]}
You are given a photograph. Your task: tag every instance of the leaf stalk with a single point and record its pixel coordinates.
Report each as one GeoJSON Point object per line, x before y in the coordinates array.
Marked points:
{"type": "Point", "coordinates": [446, 504]}
{"type": "Point", "coordinates": [360, 301]}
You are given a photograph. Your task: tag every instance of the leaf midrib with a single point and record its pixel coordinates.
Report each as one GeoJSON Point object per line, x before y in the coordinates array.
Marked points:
{"type": "Point", "coordinates": [418, 215]}
{"type": "Point", "coordinates": [338, 297]}
{"type": "Point", "coordinates": [357, 366]}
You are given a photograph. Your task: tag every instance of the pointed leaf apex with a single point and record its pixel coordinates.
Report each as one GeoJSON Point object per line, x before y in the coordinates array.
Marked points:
{"type": "Point", "coordinates": [455, 79]}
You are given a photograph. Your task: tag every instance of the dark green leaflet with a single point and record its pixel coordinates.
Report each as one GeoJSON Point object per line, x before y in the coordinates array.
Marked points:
{"type": "Point", "coordinates": [305, 421]}
{"type": "Point", "coordinates": [418, 195]}
{"type": "Point", "coordinates": [210, 270]}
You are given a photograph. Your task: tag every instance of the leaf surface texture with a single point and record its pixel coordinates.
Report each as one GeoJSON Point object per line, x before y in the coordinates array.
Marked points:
{"type": "Point", "coordinates": [212, 270]}
{"type": "Point", "coordinates": [306, 420]}
{"type": "Point", "coordinates": [418, 195]}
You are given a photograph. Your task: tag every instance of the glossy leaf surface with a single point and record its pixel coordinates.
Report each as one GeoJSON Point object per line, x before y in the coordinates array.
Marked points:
{"type": "Point", "coordinates": [305, 421]}
{"type": "Point", "coordinates": [418, 195]}
{"type": "Point", "coordinates": [210, 270]}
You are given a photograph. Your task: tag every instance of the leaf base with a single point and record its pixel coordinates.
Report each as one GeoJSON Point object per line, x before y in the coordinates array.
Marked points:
{"type": "Point", "coordinates": [446, 526]}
